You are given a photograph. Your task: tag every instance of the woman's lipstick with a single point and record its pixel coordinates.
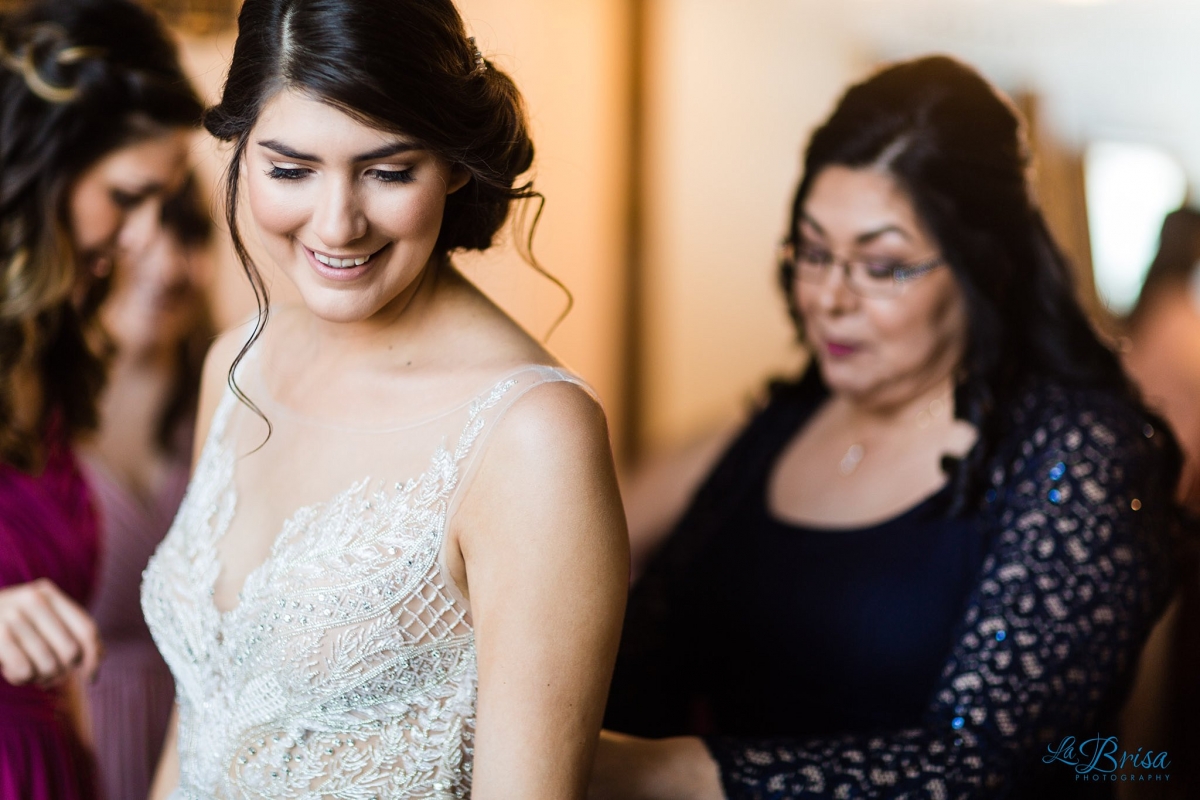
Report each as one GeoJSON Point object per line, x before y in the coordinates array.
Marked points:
{"type": "Point", "coordinates": [840, 349]}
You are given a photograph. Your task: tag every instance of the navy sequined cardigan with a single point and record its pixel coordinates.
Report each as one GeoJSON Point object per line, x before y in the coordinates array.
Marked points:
{"type": "Point", "coordinates": [1077, 520]}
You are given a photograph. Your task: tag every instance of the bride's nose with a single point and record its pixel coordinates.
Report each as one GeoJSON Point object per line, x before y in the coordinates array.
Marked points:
{"type": "Point", "coordinates": [338, 218]}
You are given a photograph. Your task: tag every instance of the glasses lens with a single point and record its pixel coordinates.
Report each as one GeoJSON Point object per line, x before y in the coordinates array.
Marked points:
{"type": "Point", "coordinates": [873, 279]}
{"type": "Point", "coordinates": [811, 263]}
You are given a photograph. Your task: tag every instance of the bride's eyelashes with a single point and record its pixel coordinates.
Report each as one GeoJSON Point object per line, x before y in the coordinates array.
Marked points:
{"type": "Point", "coordinates": [382, 175]}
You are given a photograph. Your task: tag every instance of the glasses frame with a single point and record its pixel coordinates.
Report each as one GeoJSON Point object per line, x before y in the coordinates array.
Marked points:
{"type": "Point", "coordinates": [902, 274]}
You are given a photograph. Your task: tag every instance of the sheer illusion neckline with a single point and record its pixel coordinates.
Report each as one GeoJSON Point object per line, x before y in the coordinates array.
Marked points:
{"type": "Point", "coordinates": [223, 453]}
{"type": "Point", "coordinates": [254, 367]}
{"type": "Point", "coordinates": [254, 576]}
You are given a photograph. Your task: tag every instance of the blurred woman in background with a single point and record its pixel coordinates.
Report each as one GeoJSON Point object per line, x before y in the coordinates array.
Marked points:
{"type": "Point", "coordinates": [136, 465]}
{"type": "Point", "coordinates": [939, 551]}
{"type": "Point", "coordinates": [95, 114]}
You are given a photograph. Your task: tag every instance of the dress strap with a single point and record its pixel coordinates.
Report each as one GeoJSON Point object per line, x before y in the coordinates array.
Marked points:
{"type": "Point", "coordinates": [484, 414]}
{"type": "Point", "coordinates": [487, 409]}
{"type": "Point", "coordinates": [220, 420]}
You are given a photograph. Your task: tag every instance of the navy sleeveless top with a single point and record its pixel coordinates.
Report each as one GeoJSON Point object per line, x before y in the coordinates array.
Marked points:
{"type": "Point", "coordinates": [837, 630]}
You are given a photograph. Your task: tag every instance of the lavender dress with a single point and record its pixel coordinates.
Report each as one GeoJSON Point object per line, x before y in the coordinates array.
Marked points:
{"type": "Point", "coordinates": [131, 700]}
{"type": "Point", "coordinates": [47, 530]}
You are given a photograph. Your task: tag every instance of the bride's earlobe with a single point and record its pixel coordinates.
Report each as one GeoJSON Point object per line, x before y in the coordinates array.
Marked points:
{"type": "Point", "coordinates": [459, 177]}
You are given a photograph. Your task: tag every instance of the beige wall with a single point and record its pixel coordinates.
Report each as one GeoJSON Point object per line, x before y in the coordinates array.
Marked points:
{"type": "Point", "coordinates": [734, 89]}
{"type": "Point", "coordinates": [570, 61]}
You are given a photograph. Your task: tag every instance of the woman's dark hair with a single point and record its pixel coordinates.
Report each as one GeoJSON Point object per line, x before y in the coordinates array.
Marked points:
{"type": "Point", "coordinates": [186, 217]}
{"type": "Point", "coordinates": [958, 148]}
{"type": "Point", "coordinates": [400, 65]}
{"type": "Point", "coordinates": [78, 79]}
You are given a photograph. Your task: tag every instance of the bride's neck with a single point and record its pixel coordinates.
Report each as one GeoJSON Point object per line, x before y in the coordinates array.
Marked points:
{"type": "Point", "coordinates": [405, 327]}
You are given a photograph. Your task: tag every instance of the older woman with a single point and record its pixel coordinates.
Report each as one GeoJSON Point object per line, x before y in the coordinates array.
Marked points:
{"type": "Point", "coordinates": [937, 553]}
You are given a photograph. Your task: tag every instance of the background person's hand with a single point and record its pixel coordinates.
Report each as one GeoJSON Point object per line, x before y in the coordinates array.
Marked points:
{"type": "Point", "coordinates": [44, 634]}
{"type": "Point", "coordinates": [632, 768]}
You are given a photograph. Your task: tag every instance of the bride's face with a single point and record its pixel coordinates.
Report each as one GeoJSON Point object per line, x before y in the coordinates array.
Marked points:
{"type": "Point", "coordinates": [350, 213]}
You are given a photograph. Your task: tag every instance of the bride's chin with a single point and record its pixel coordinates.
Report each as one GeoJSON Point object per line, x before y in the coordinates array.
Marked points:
{"type": "Point", "coordinates": [343, 309]}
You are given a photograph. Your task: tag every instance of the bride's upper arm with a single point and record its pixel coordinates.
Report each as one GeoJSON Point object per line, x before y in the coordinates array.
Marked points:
{"type": "Point", "coordinates": [542, 535]}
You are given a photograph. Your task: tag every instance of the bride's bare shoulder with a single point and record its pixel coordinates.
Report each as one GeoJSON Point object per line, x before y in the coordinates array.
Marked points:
{"type": "Point", "coordinates": [493, 335]}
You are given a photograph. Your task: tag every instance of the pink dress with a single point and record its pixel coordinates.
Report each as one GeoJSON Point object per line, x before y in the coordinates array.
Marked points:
{"type": "Point", "coordinates": [130, 702]}
{"type": "Point", "coordinates": [47, 530]}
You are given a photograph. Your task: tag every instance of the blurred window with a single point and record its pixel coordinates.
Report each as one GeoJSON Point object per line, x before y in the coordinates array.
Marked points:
{"type": "Point", "coordinates": [1130, 189]}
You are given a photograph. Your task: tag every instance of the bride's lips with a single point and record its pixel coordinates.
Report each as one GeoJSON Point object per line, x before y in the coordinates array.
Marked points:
{"type": "Point", "coordinates": [333, 273]}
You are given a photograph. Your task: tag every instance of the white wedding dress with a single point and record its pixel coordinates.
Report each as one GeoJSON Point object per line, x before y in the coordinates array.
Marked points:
{"type": "Point", "coordinates": [347, 667]}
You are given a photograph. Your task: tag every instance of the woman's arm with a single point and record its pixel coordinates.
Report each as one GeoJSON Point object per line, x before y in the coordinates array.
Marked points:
{"type": "Point", "coordinates": [166, 776]}
{"type": "Point", "coordinates": [1069, 590]}
{"type": "Point", "coordinates": [657, 491]}
{"type": "Point", "coordinates": [542, 536]}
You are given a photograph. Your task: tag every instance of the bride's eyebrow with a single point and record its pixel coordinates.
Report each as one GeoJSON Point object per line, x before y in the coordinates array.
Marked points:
{"type": "Point", "coordinates": [395, 148]}
{"type": "Point", "coordinates": [392, 149]}
{"type": "Point", "coordinates": [287, 152]}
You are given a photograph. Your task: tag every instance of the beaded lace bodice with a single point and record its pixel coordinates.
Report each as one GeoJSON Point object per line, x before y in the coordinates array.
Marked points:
{"type": "Point", "coordinates": [347, 667]}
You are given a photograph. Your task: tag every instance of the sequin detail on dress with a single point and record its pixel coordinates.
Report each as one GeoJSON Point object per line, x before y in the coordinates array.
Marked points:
{"type": "Point", "coordinates": [347, 668]}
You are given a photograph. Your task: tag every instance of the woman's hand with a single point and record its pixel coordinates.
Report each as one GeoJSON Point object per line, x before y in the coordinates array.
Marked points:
{"type": "Point", "coordinates": [44, 634]}
{"type": "Point", "coordinates": [631, 768]}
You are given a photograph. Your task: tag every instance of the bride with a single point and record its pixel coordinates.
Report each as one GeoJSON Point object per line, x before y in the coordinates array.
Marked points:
{"type": "Point", "coordinates": [400, 567]}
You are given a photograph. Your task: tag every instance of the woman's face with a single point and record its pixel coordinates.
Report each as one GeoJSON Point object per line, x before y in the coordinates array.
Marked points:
{"type": "Point", "coordinates": [115, 206]}
{"type": "Point", "coordinates": [349, 212]}
{"type": "Point", "coordinates": [155, 297]}
{"type": "Point", "coordinates": [877, 349]}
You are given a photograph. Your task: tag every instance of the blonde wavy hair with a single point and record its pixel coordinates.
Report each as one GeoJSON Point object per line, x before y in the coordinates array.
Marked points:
{"type": "Point", "coordinates": [78, 80]}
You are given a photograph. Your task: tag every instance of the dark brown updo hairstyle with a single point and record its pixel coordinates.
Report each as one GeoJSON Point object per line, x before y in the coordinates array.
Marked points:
{"type": "Point", "coordinates": [398, 65]}
{"type": "Point", "coordinates": [78, 79]}
{"type": "Point", "coordinates": [959, 150]}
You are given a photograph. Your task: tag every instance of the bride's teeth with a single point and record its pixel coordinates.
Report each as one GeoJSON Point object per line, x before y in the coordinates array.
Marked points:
{"type": "Point", "coordinates": [341, 263]}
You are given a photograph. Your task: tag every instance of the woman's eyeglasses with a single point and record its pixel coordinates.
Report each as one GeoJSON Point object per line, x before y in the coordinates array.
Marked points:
{"type": "Point", "coordinates": [865, 277]}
